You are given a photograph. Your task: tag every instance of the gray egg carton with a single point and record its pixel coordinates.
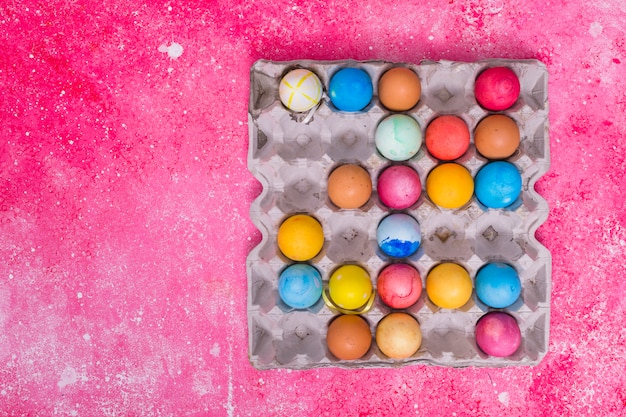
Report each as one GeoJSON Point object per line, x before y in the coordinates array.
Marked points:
{"type": "Point", "coordinates": [291, 154]}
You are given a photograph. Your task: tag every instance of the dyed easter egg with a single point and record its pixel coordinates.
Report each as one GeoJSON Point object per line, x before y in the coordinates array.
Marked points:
{"type": "Point", "coordinates": [497, 88]}
{"type": "Point", "coordinates": [398, 137]}
{"type": "Point", "coordinates": [300, 90]}
{"type": "Point", "coordinates": [497, 285]}
{"type": "Point", "coordinates": [448, 285]}
{"type": "Point", "coordinates": [498, 184]}
{"type": "Point", "coordinates": [398, 335]}
{"type": "Point", "coordinates": [350, 287]}
{"type": "Point", "coordinates": [300, 237]}
{"type": "Point", "coordinates": [399, 187]}
{"type": "Point", "coordinates": [498, 334]}
{"type": "Point", "coordinates": [447, 137]}
{"type": "Point", "coordinates": [399, 285]}
{"type": "Point", "coordinates": [399, 235]}
{"type": "Point", "coordinates": [349, 186]}
{"type": "Point", "coordinates": [300, 286]}
{"type": "Point", "coordinates": [349, 337]}
{"type": "Point", "coordinates": [496, 136]}
{"type": "Point", "coordinates": [399, 89]}
{"type": "Point", "coordinates": [350, 89]}
{"type": "Point", "coordinates": [450, 185]}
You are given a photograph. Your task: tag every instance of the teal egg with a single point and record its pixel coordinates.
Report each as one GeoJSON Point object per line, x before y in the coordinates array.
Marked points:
{"type": "Point", "coordinates": [398, 137]}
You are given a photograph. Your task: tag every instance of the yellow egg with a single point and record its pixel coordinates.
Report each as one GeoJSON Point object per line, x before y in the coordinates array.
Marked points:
{"type": "Point", "coordinates": [448, 285]}
{"type": "Point", "coordinates": [300, 237]}
{"type": "Point", "coordinates": [350, 287]}
{"type": "Point", "coordinates": [450, 185]}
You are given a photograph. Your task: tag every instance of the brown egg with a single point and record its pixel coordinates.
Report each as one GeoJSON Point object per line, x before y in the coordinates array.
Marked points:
{"type": "Point", "coordinates": [349, 337]}
{"type": "Point", "coordinates": [497, 136]}
{"type": "Point", "coordinates": [398, 335]}
{"type": "Point", "coordinates": [399, 89]}
{"type": "Point", "coordinates": [349, 186]}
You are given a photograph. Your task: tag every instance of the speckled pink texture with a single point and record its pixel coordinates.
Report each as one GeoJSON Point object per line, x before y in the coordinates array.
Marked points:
{"type": "Point", "coordinates": [124, 198]}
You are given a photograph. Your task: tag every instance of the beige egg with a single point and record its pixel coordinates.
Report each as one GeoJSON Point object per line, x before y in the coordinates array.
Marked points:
{"type": "Point", "coordinates": [398, 335]}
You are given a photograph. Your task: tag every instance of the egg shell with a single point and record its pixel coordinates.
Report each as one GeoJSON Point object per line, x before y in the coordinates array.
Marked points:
{"type": "Point", "coordinates": [349, 337]}
{"type": "Point", "coordinates": [447, 137]}
{"type": "Point", "coordinates": [300, 90]}
{"type": "Point", "coordinates": [399, 89]}
{"type": "Point", "coordinates": [399, 187]}
{"type": "Point", "coordinates": [497, 136]}
{"type": "Point", "coordinates": [497, 285]}
{"type": "Point", "coordinates": [399, 285]}
{"type": "Point", "coordinates": [349, 186]}
{"type": "Point", "coordinates": [350, 89]}
{"type": "Point", "coordinates": [497, 88]}
{"type": "Point", "coordinates": [498, 334]}
{"type": "Point", "coordinates": [449, 285]}
{"type": "Point", "coordinates": [300, 237]}
{"type": "Point", "coordinates": [399, 235]}
{"type": "Point", "coordinates": [498, 184]}
{"type": "Point", "coordinates": [350, 287]}
{"type": "Point", "coordinates": [398, 137]}
{"type": "Point", "coordinates": [398, 335]}
{"type": "Point", "coordinates": [450, 185]}
{"type": "Point", "coordinates": [300, 286]}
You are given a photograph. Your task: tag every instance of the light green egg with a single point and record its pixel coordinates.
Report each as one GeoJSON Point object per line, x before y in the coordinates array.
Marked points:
{"type": "Point", "coordinates": [398, 137]}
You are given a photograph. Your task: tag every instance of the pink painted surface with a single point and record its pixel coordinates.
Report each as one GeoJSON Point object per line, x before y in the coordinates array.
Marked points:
{"type": "Point", "coordinates": [124, 201]}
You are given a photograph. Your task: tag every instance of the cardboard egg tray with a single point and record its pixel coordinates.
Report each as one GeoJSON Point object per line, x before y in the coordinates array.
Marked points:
{"type": "Point", "coordinates": [292, 154]}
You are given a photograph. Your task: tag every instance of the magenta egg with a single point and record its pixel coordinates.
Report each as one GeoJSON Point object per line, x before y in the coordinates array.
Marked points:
{"type": "Point", "coordinates": [399, 187]}
{"type": "Point", "coordinates": [498, 334]}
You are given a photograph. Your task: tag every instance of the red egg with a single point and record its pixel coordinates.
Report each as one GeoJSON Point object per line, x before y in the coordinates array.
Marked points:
{"type": "Point", "coordinates": [399, 187]}
{"type": "Point", "coordinates": [497, 88]}
{"type": "Point", "coordinates": [399, 285]}
{"type": "Point", "coordinates": [447, 137]}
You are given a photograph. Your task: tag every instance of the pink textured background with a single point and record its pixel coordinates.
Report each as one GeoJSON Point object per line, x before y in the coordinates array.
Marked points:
{"type": "Point", "coordinates": [124, 199]}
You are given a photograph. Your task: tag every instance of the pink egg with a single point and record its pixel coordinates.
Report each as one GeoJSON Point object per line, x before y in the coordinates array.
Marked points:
{"type": "Point", "coordinates": [399, 187]}
{"type": "Point", "coordinates": [497, 88]}
{"type": "Point", "coordinates": [498, 334]}
{"type": "Point", "coordinates": [399, 285]}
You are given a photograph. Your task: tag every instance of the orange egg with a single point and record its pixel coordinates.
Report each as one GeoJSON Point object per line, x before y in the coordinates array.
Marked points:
{"type": "Point", "coordinates": [399, 89]}
{"type": "Point", "coordinates": [349, 186]}
{"type": "Point", "coordinates": [497, 136]}
{"type": "Point", "coordinates": [349, 337]}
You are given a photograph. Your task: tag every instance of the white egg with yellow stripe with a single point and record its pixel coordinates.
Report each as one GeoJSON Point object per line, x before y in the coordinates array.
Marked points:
{"type": "Point", "coordinates": [300, 90]}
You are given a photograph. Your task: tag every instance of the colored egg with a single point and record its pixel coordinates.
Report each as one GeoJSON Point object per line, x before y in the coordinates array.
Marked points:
{"type": "Point", "coordinates": [497, 285]}
{"type": "Point", "coordinates": [349, 186]}
{"type": "Point", "coordinates": [300, 237]}
{"type": "Point", "coordinates": [447, 137]}
{"type": "Point", "coordinates": [300, 90]}
{"type": "Point", "coordinates": [399, 285]}
{"type": "Point", "coordinates": [498, 184]}
{"type": "Point", "coordinates": [448, 285]}
{"type": "Point", "coordinates": [398, 137]}
{"type": "Point", "coordinates": [399, 187]}
{"type": "Point", "coordinates": [498, 334]}
{"type": "Point", "coordinates": [350, 89]}
{"type": "Point", "coordinates": [350, 287]}
{"type": "Point", "coordinates": [300, 286]}
{"type": "Point", "coordinates": [399, 235]}
{"type": "Point", "coordinates": [450, 185]}
{"type": "Point", "coordinates": [497, 136]}
{"type": "Point", "coordinates": [398, 335]}
{"type": "Point", "coordinates": [399, 89]}
{"type": "Point", "coordinates": [349, 337]}
{"type": "Point", "coordinates": [497, 88]}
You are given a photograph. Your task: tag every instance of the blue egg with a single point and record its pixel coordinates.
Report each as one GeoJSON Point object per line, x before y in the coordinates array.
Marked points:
{"type": "Point", "coordinates": [497, 285]}
{"type": "Point", "coordinates": [399, 235]}
{"type": "Point", "coordinates": [300, 286]}
{"type": "Point", "coordinates": [498, 184]}
{"type": "Point", "coordinates": [350, 89]}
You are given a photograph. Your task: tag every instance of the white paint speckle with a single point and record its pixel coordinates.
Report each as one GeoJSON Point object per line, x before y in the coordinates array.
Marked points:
{"type": "Point", "coordinates": [79, 294]}
{"type": "Point", "coordinates": [503, 397]}
{"type": "Point", "coordinates": [595, 29]}
{"type": "Point", "coordinates": [174, 50]}
{"type": "Point", "coordinates": [87, 337]}
{"type": "Point", "coordinates": [70, 376]}
{"type": "Point", "coordinates": [215, 350]}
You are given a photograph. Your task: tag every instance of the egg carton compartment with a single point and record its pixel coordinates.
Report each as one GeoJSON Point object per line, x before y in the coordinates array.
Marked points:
{"type": "Point", "coordinates": [292, 154]}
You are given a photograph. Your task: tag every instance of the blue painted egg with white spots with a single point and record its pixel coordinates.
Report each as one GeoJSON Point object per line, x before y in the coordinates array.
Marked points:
{"type": "Point", "coordinates": [399, 235]}
{"type": "Point", "coordinates": [300, 286]}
